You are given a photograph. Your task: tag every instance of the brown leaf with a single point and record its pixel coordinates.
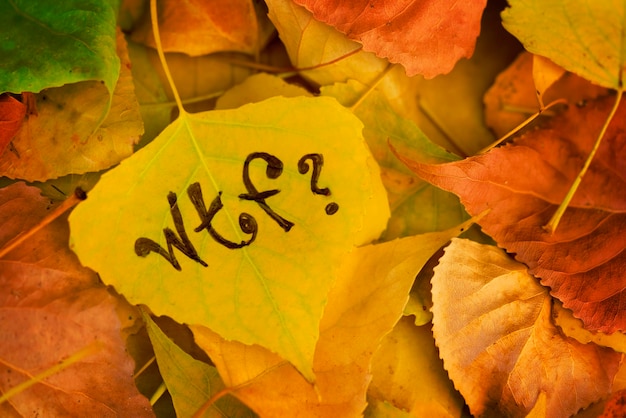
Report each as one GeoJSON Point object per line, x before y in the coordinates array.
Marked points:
{"type": "Point", "coordinates": [426, 37]}
{"type": "Point", "coordinates": [51, 308]}
{"type": "Point", "coordinates": [12, 113]}
{"type": "Point", "coordinates": [199, 27]}
{"type": "Point", "coordinates": [523, 183]}
{"type": "Point", "coordinates": [492, 323]}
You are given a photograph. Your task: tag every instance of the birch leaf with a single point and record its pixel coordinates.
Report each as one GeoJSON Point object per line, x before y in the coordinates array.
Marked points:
{"type": "Point", "coordinates": [237, 220]}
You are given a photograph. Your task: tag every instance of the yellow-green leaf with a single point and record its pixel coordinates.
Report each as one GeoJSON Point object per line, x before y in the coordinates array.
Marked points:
{"type": "Point", "coordinates": [77, 128]}
{"type": "Point", "coordinates": [492, 324]}
{"type": "Point", "coordinates": [190, 382]}
{"type": "Point", "coordinates": [416, 206]}
{"type": "Point", "coordinates": [585, 37]}
{"type": "Point", "coordinates": [259, 270]}
{"type": "Point", "coordinates": [364, 304]}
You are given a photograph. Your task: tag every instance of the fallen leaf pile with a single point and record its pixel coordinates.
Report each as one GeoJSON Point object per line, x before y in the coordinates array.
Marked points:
{"type": "Point", "coordinates": [312, 209]}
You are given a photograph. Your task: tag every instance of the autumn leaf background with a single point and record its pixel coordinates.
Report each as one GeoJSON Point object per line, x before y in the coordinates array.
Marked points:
{"type": "Point", "coordinates": [312, 208]}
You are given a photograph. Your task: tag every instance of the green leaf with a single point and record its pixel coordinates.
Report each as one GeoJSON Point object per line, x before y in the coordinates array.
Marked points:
{"type": "Point", "coordinates": [273, 291]}
{"type": "Point", "coordinates": [190, 382]}
{"type": "Point", "coordinates": [44, 45]}
{"type": "Point", "coordinates": [585, 37]}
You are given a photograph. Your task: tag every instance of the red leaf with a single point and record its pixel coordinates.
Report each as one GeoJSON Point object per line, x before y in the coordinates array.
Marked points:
{"type": "Point", "coordinates": [426, 37]}
{"type": "Point", "coordinates": [12, 114]}
{"type": "Point", "coordinates": [616, 406]}
{"type": "Point", "coordinates": [523, 183]}
{"type": "Point", "coordinates": [51, 307]}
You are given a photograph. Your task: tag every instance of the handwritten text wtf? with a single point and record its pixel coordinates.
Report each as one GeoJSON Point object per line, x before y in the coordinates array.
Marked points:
{"type": "Point", "coordinates": [247, 223]}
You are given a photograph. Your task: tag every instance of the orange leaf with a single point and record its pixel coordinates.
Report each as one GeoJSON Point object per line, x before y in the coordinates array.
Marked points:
{"type": "Point", "coordinates": [12, 114]}
{"type": "Point", "coordinates": [426, 37]}
{"type": "Point", "coordinates": [513, 98]}
{"type": "Point", "coordinates": [523, 183]}
{"type": "Point", "coordinates": [492, 323]}
{"type": "Point", "coordinates": [198, 27]}
{"type": "Point", "coordinates": [51, 308]}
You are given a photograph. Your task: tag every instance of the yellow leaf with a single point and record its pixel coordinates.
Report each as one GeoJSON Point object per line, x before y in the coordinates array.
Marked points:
{"type": "Point", "coordinates": [238, 219]}
{"type": "Point", "coordinates": [545, 74]}
{"type": "Point", "coordinates": [492, 324]}
{"type": "Point", "coordinates": [364, 304]}
{"type": "Point", "coordinates": [573, 327]}
{"type": "Point", "coordinates": [256, 88]}
{"type": "Point", "coordinates": [409, 351]}
{"type": "Point", "coordinates": [584, 37]}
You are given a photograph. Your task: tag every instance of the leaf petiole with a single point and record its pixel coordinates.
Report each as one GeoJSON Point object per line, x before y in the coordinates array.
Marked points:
{"type": "Point", "coordinates": [63, 364]}
{"type": "Point", "coordinates": [556, 218]}
{"type": "Point", "coordinates": [78, 196]}
{"type": "Point", "coordinates": [522, 125]}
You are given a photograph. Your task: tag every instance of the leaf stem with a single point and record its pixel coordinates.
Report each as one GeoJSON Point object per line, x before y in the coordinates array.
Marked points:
{"type": "Point", "coordinates": [272, 69]}
{"type": "Point", "coordinates": [371, 87]}
{"type": "Point", "coordinates": [158, 393]}
{"type": "Point", "coordinates": [556, 218]}
{"type": "Point", "coordinates": [78, 196]}
{"type": "Point", "coordinates": [157, 39]}
{"type": "Point", "coordinates": [144, 367]}
{"type": "Point", "coordinates": [63, 364]}
{"type": "Point", "coordinates": [525, 123]}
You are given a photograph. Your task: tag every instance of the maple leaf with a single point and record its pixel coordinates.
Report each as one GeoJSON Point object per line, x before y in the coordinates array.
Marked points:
{"type": "Point", "coordinates": [364, 304]}
{"type": "Point", "coordinates": [12, 113]}
{"type": "Point", "coordinates": [491, 321]}
{"type": "Point", "coordinates": [49, 298]}
{"type": "Point", "coordinates": [583, 260]}
{"type": "Point", "coordinates": [426, 37]}
{"type": "Point", "coordinates": [198, 27]}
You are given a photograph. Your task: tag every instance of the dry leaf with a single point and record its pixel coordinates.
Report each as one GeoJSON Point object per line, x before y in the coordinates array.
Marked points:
{"type": "Point", "coordinates": [492, 324]}
{"type": "Point", "coordinates": [50, 308]}
{"type": "Point", "coordinates": [523, 183]}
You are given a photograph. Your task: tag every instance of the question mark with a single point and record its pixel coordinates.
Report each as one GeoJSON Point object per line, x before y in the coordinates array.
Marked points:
{"type": "Point", "coordinates": [318, 162]}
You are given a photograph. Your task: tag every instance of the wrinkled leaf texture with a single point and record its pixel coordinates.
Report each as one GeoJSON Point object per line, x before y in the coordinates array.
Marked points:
{"type": "Point", "coordinates": [50, 308]}
{"type": "Point", "coordinates": [492, 324]}
{"type": "Point", "coordinates": [426, 37]}
{"type": "Point", "coordinates": [584, 260]}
